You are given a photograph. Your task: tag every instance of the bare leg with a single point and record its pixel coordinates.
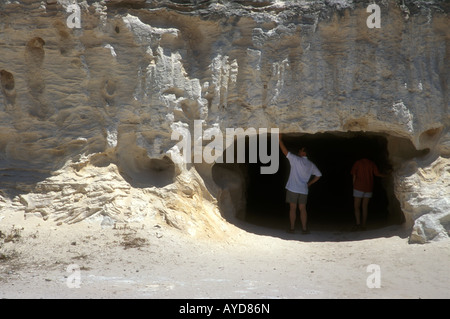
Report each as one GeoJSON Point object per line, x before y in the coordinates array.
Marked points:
{"type": "Point", "coordinates": [292, 208]}
{"type": "Point", "coordinates": [357, 204]}
{"type": "Point", "coordinates": [365, 210]}
{"type": "Point", "coordinates": [303, 215]}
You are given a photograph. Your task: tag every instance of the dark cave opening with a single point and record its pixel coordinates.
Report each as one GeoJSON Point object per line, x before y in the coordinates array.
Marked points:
{"type": "Point", "coordinates": [330, 201]}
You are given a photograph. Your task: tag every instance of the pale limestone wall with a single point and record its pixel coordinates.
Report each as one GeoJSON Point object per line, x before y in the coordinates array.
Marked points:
{"type": "Point", "coordinates": [88, 112]}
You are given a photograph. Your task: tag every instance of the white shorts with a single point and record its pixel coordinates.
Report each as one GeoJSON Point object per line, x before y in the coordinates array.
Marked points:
{"type": "Point", "coordinates": [357, 193]}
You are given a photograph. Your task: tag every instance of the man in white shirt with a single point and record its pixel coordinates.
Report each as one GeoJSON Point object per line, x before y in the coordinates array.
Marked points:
{"type": "Point", "coordinates": [298, 183]}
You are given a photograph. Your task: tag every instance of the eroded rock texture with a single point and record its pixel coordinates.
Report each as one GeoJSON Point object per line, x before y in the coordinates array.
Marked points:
{"type": "Point", "coordinates": [87, 113]}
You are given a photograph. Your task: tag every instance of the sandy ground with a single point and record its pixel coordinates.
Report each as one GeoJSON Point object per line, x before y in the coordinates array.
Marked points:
{"type": "Point", "coordinates": [40, 259]}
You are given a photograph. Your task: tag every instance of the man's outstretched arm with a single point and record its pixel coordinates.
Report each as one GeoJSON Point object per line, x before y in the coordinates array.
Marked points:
{"type": "Point", "coordinates": [282, 146]}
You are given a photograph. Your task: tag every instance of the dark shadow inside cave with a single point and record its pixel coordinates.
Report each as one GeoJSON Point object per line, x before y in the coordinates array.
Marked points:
{"type": "Point", "coordinates": [261, 198]}
{"type": "Point", "coordinates": [330, 200]}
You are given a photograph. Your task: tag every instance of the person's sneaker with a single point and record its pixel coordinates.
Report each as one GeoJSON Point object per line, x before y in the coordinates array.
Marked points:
{"type": "Point", "coordinates": [290, 231]}
{"type": "Point", "coordinates": [305, 232]}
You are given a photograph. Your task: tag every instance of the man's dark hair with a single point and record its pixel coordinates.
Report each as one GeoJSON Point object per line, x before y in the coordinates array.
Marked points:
{"type": "Point", "coordinates": [304, 148]}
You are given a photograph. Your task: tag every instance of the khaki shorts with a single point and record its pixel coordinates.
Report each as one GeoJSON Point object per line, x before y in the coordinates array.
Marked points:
{"type": "Point", "coordinates": [297, 198]}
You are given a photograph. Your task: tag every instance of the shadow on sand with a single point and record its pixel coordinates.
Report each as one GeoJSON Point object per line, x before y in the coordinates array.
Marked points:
{"type": "Point", "coordinates": [324, 232]}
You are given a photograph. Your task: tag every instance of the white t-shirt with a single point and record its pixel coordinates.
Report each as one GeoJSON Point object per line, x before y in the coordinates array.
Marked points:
{"type": "Point", "coordinates": [301, 170]}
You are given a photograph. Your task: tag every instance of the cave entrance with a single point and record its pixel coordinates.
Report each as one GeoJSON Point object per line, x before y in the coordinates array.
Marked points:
{"type": "Point", "coordinates": [260, 198]}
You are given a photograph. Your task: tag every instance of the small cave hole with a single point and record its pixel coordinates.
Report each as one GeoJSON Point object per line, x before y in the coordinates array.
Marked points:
{"type": "Point", "coordinates": [260, 198]}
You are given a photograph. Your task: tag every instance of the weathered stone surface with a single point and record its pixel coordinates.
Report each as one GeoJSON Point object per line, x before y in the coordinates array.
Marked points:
{"type": "Point", "coordinates": [88, 112]}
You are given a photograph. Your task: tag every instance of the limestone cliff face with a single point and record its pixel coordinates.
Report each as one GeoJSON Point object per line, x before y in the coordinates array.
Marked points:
{"type": "Point", "coordinates": [87, 111]}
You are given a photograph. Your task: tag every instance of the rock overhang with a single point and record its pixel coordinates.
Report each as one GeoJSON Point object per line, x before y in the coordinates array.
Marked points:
{"type": "Point", "coordinates": [116, 87]}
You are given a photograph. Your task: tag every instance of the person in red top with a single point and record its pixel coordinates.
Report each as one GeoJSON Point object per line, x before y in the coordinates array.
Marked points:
{"type": "Point", "coordinates": [363, 172]}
